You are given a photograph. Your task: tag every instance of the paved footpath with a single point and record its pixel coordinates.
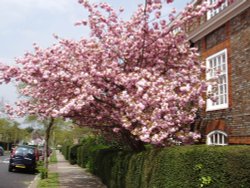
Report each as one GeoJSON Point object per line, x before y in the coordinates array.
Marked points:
{"type": "Point", "coordinates": [74, 176]}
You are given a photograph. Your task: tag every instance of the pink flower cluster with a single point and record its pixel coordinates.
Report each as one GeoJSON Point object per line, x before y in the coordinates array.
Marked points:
{"type": "Point", "coordinates": [137, 75]}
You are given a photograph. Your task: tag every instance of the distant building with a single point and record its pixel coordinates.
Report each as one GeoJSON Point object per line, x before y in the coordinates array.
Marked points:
{"type": "Point", "coordinates": [223, 39]}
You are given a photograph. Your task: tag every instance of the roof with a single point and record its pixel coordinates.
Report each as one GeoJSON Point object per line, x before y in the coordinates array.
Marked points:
{"type": "Point", "coordinates": [231, 11]}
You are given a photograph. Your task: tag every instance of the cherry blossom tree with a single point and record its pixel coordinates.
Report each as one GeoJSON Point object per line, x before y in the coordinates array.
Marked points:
{"type": "Point", "coordinates": [138, 78]}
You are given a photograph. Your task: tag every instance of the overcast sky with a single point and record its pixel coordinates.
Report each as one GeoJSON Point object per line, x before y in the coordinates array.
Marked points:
{"type": "Point", "coordinates": [24, 22]}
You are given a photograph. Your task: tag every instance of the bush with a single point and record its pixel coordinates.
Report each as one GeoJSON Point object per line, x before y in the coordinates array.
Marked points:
{"type": "Point", "coordinates": [86, 151]}
{"type": "Point", "coordinates": [179, 166]}
{"type": "Point", "coordinates": [195, 166]}
{"type": "Point", "coordinates": [53, 158]}
{"type": "Point", "coordinates": [65, 151]}
{"type": "Point", "coordinates": [105, 165]}
{"type": "Point", "coordinates": [83, 153]}
{"type": "Point", "coordinates": [73, 154]}
{"type": "Point", "coordinates": [92, 155]}
{"type": "Point", "coordinates": [40, 168]}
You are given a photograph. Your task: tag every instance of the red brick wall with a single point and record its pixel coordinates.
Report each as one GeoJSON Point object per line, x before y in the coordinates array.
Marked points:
{"type": "Point", "coordinates": [235, 119]}
{"type": "Point", "coordinates": [239, 140]}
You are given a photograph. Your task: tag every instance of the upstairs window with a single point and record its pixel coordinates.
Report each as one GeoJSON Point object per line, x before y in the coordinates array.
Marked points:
{"type": "Point", "coordinates": [213, 12]}
{"type": "Point", "coordinates": [217, 137]}
{"type": "Point", "coordinates": [217, 69]}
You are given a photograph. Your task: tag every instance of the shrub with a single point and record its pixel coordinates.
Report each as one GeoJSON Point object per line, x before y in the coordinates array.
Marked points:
{"type": "Point", "coordinates": [73, 154]}
{"type": "Point", "coordinates": [103, 164]}
{"type": "Point", "coordinates": [65, 151]}
{"type": "Point", "coordinates": [40, 168]}
{"type": "Point", "coordinates": [92, 155]}
{"type": "Point", "coordinates": [179, 166]}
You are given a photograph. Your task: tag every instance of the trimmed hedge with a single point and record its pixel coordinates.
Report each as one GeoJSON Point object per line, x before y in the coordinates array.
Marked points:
{"type": "Point", "coordinates": [73, 154]}
{"type": "Point", "coordinates": [174, 167]}
{"type": "Point", "coordinates": [65, 151]}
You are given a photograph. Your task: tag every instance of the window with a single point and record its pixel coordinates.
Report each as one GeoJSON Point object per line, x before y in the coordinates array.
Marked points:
{"type": "Point", "coordinates": [213, 12]}
{"type": "Point", "coordinates": [217, 67]}
{"type": "Point", "coordinates": [217, 137]}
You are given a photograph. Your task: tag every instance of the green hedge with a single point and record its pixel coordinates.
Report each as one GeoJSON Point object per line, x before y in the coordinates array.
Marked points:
{"type": "Point", "coordinates": [173, 167]}
{"type": "Point", "coordinates": [108, 166]}
{"type": "Point", "coordinates": [73, 154]}
{"type": "Point", "coordinates": [65, 151]}
{"type": "Point", "coordinates": [191, 166]}
{"type": "Point", "coordinates": [84, 153]}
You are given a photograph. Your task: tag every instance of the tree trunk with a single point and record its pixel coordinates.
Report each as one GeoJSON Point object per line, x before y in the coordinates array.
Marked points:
{"type": "Point", "coordinates": [46, 147]}
{"type": "Point", "coordinates": [135, 145]}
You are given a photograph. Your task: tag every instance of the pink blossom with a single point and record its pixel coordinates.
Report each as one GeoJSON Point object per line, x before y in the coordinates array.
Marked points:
{"type": "Point", "coordinates": [169, 1]}
{"type": "Point", "coordinates": [116, 130]}
{"type": "Point", "coordinates": [129, 74]}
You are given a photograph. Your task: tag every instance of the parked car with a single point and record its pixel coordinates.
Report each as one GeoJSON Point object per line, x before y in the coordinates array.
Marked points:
{"type": "Point", "coordinates": [1, 151]}
{"type": "Point", "coordinates": [23, 157]}
{"type": "Point", "coordinates": [41, 152]}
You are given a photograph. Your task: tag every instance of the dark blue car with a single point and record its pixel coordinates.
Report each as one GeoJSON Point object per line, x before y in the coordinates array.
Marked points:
{"type": "Point", "coordinates": [23, 157]}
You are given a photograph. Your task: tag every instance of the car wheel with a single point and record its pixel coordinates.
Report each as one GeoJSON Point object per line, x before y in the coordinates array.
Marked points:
{"type": "Point", "coordinates": [10, 169]}
{"type": "Point", "coordinates": [33, 170]}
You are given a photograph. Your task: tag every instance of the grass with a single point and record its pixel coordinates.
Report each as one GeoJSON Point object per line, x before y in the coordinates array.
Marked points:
{"type": "Point", "coordinates": [53, 158]}
{"type": "Point", "coordinates": [51, 182]}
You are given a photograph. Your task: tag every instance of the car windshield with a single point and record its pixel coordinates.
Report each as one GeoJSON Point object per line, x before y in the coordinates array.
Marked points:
{"type": "Point", "coordinates": [24, 151]}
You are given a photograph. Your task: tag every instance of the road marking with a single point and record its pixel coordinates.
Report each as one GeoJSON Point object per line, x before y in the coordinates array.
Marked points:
{"type": "Point", "coordinates": [6, 160]}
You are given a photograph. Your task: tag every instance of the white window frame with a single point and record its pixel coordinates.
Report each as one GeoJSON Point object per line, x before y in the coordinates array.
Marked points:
{"type": "Point", "coordinates": [212, 13]}
{"type": "Point", "coordinates": [209, 103]}
{"type": "Point", "coordinates": [219, 136]}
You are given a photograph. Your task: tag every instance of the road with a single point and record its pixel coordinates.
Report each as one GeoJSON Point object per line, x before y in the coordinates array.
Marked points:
{"type": "Point", "coordinates": [13, 179]}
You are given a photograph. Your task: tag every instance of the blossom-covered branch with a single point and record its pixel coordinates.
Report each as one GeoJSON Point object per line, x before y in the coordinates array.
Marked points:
{"type": "Point", "coordinates": [135, 75]}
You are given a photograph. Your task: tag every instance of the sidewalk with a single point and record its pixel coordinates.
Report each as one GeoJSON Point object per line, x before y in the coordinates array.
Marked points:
{"type": "Point", "coordinates": [73, 176]}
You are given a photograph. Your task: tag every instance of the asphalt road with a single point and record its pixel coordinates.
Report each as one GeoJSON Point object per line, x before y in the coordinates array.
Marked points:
{"type": "Point", "coordinates": [17, 179]}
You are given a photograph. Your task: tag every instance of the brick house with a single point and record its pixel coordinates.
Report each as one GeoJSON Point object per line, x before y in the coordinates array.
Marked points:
{"type": "Point", "coordinates": [223, 39]}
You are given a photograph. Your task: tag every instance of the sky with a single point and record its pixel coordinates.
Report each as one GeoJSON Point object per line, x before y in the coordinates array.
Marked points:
{"type": "Point", "coordinates": [24, 22]}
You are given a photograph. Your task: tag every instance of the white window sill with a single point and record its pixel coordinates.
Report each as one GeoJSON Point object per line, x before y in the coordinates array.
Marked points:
{"type": "Point", "coordinates": [217, 108]}
{"type": "Point", "coordinates": [217, 144]}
